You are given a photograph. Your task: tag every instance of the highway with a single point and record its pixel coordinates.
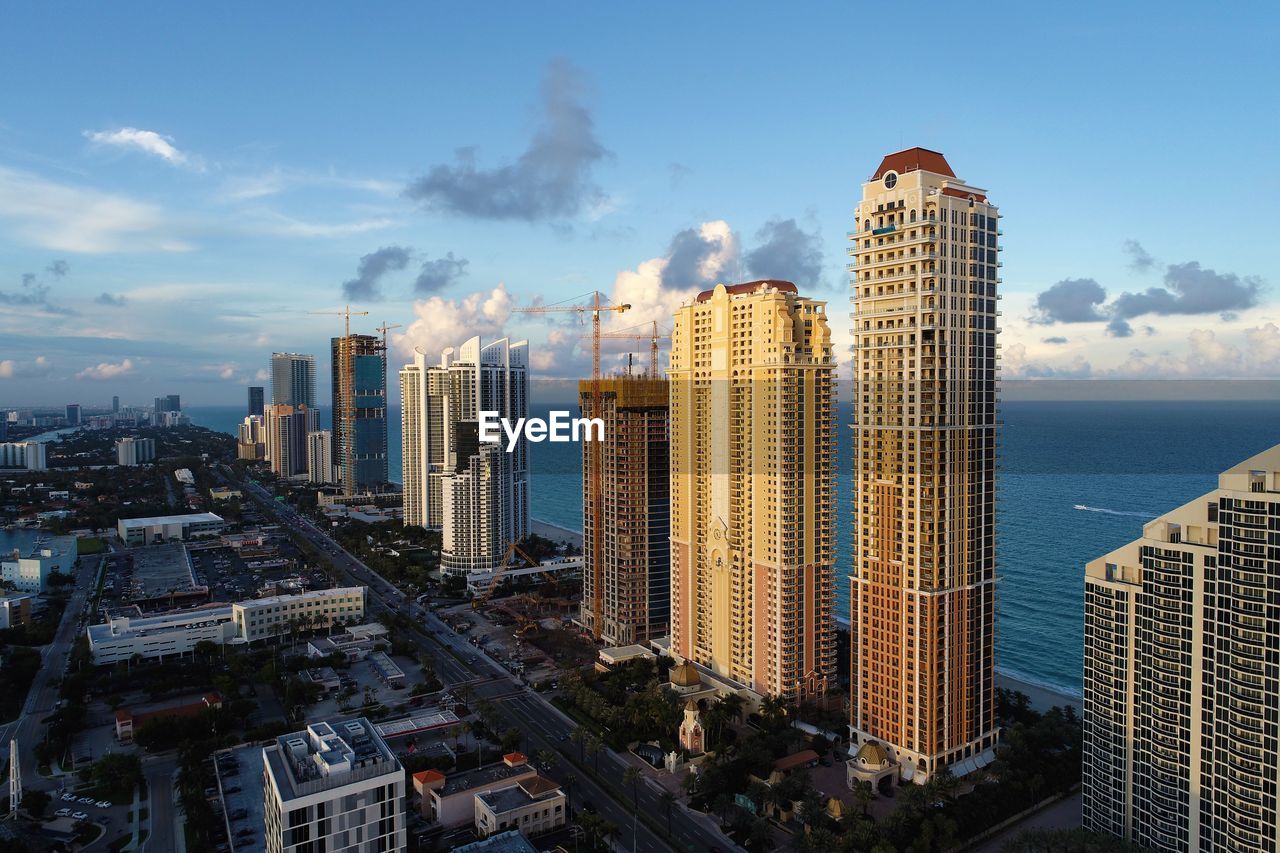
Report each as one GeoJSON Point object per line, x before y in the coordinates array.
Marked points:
{"type": "Point", "coordinates": [545, 727]}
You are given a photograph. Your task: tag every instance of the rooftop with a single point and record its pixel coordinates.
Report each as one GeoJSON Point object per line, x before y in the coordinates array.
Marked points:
{"type": "Point", "coordinates": [519, 796]}
{"type": "Point", "coordinates": [511, 841]}
{"type": "Point", "coordinates": [457, 783]}
{"type": "Point", "coordinates": [911, 159]}
{"type": "Point", "coordinates": [751, 287]}
{"type": "Point", "coordinates": [796, 760]}
{"type": "Point", "coordinates": [155, 520]}
{"type": "Point", "coordinates": [309, 595]}
{"type": "Point", "coordinates": [328, 755]}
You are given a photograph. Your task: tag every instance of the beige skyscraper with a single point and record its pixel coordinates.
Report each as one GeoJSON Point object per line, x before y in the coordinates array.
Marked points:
{"type": "Point", "coordinates": [923, 283]}
{"type": "Point", "coordinates": [752, 479]}
{"type": "Point", "coordinates": [1181, 686]}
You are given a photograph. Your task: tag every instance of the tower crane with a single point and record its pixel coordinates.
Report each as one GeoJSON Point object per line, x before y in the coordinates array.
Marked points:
{"type": "Point", "coordinates": [652, 338]}
{"type": "Point", "coordinates": [384, 328]}
{"type": "Point", "coordinates": [594, 451]}
{"type": "Point", "coordinates": [347, 313]}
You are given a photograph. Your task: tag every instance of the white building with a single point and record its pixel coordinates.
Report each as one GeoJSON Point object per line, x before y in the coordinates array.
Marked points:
{"type": "Point", "coordinates": [177, 633]}
{"type": "Point", "coordinates": [320, 467]}
{"type": "Point", "coordinates": [480, 511]}
{"type": "Point", "coordinates": [1180, 680]}
{"type": "Point", "coordinates": [166, 528]}
{"type": "Point", "coordinates": [15, 610]}
{"type": "Point", "coordinates": [134, 451]}
{"type": "Point", "coordinates": [30, 573]}
{"type": "Point", "coordinates": [160, 636]}
{"type": "Point", "coordinates": [532, 806]}
{"type": "Point", "coordinates": [287, 430]}
{"type": "Point", "coordinates": [23, 454]}
{"type": "Point", "coordinates": [333, 786]}
{"type": "Point", "coordinates": [264, 618]}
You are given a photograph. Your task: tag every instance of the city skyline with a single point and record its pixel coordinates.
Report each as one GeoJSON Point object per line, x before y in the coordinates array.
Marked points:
{"type": "Point", "coordinates": [159, 244]}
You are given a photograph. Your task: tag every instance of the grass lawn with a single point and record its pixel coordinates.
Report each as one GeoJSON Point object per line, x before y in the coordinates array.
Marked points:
{"type": "Point", "coordinates": [91, 545]}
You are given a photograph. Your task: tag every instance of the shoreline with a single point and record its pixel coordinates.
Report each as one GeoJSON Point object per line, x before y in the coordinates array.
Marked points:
{"type": "Point", "coordinates": [555, 532]}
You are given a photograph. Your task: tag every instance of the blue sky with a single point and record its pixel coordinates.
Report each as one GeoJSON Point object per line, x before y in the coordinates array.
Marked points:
{"type": "Point", "coordinates": [177, 185]}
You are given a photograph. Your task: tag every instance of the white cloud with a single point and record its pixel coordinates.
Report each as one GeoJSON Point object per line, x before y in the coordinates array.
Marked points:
{"type": "Point", "coordinates": [75, 219]}
{"type": "Point", "coordinates": [263, 375]}
{"type": "Point", "coordinates": [106, 370]}
{"type": "Point", "coordinates": [147, 141]}
{"type": "Point", "coordinates": [441, 322]}
{"type": "Point", "coordinates": [7, 368]}
{"type": "Point", "coordinates": [12, 369]}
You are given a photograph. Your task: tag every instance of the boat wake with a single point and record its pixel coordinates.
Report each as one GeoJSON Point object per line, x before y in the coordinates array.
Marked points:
{"type": "Point", "coordinates": [1104, 511]}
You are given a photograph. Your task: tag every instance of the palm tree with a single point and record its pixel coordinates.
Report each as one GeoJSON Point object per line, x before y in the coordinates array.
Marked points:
{"type": "Point", "coordinates": [593, 749]}
{"type": "Point", "coordinates": [863, 794]}
{"type": "Point", "coordinates": [631, 776]}
{"type": "Point", "coordinates": [733, 705]}
{"type": "Point", "coordinates": [579, 737]}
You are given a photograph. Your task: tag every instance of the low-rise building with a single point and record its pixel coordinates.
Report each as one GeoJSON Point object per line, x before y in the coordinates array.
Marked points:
{"type": "Point", "coordinates": [281, 614]}
{"type": "Point", "coordinates": [532, 806]}
{"type": "Point", "coordinates": [178, 632]}
{"type": "Point", "coordinates": [450, 800]}
{"type": "Point", "coordinates": [333, 786]}
{"type": "Point", "coordinates": [31, 573]}
{"type": "Point", "coordinates": [130, 720]}
{"type": "Point", "coordinates": [15, 611]}
{"type": "Point", "coordinates": [510, 841]}
{"type": "Point", "coordinates": [163, 528]}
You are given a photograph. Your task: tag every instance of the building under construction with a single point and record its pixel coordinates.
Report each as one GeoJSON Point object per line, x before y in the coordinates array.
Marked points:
{"type": "Point", "coordinates": [629, 590]}
{"type": "Point", "coordinates": [360, 412]}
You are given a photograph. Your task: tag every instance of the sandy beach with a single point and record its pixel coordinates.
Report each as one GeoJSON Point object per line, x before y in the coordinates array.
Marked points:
{"type": "Point", "coordinates": [1042, 698]}
{"type": "Point", "coordinates": [555, 532]}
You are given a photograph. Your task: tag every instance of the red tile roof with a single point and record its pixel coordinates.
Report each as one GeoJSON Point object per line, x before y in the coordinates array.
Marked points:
{"type": "Point", "coordinates": [795, 760]}
{"type": "Point", "coordinates": [952, 191]}
{"type": "Point", "coordinates": [912, 159]}
{"type": "Point", "coordinates": [751, 287]}
{"type": "Point", "coordinates": [426, 777]}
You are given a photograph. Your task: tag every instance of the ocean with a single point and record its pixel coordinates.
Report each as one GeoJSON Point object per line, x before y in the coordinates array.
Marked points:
{"type": "Point", "coordinates": [1076, 480]}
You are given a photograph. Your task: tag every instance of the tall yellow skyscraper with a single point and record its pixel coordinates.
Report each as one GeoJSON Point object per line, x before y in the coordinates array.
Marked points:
{"type": "Point", "coordinates": [924, 277]}
{"type": "Point", "coordinates": [752, 487]}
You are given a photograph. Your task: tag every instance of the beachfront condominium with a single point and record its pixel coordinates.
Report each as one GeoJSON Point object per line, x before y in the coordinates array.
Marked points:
{"type": "Point", "coordinates": [360, 412]}
{"type": "Point", "coordinates": [251, 444]}
{"type": "Point", "coordinates": [333, 786]}
{"type": "Point", "coordinates": [286, 430]}
{"type": "Point", "coordinates": [752, 488]}
{"type": "Point", "coordinates": [923, 281]}
{"type": "Point", "coordinates": [477, 495]}
{"type": "Point", "coordinates": [293, 379]}
{"type": "Point", "coordinates": [627, 543]}
{"type": "Point", "coordinates": [1181, 684]}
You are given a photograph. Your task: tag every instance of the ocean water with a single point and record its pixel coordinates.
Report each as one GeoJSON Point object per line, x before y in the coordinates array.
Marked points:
{"type": "Point", "coordinates": [1076, 480]}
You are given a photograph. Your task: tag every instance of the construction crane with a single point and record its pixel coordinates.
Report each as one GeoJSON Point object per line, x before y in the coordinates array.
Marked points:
{"type": "Point", "coordinates": [595, 496]}
{"type": "Point", "coordinates": [652, 338]}
{"type": "Point", "coordinates": [347, 313]}
{"type": "Point", "coordinates": [512, 549]}
{"type": "Point", "coordinates": [384, 328]}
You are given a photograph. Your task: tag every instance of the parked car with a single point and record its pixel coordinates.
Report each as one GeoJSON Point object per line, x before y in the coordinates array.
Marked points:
{"type": "Point", "coordinates": [79, 816]}
{"type": "Point", "coordinates": [62, 813]}
{"type": "Point", "coordinates": [69, 797]}
{"type": "Point", "coordinates": [86, 801]}
{"type": "Point", "coordinates": [103, 804]}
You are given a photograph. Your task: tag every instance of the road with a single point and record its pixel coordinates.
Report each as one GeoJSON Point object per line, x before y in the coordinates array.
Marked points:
{"type": "Point", "coordinates": [42, 698]}
{"type": "Point", "coordinates": [544, 725]}
{"type": "Point", "coordinates": [161, 811]}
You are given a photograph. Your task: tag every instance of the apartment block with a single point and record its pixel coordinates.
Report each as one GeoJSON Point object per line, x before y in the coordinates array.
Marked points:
{"type": "Point", "coordinates": [134, 451]}
{"type": "Point", "coordinates": [923, 287]}
{"type": "Point", "coordinates": [287, 428]}
{"type": "Point", "coordinates": [752, 488]}
{"type": "Point", "coordinates": [360, 412]}
{"type": "Point", "coordinates": [1181, 683]}
{"type": "Point", "coordinates": [333, 786]}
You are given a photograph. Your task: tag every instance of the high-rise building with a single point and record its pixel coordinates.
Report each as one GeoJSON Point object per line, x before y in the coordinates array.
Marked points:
{"type": "Point", "coordinates": [252, 444]}
{"type": "Point", "coordinates": [1181, 686]}
{"type": "Point", "coordinates": [360, 412]}
{"type": "Point", "coordinates": [293, 379]}
{"type": "Point", "coordinates": [752, 488]}
{"type": "Point", "coordinates": [134, 451]}
{"type": "Point", "coordinates": [73, 414]}
{"type": "Point", "coordinates": [115, 405]}
{"type": "Point", "coordinates": [333, 786]}
{"type": "Point", "coordinates": [24, 454]}
{"type": "Point", "coordinates": [168, 403]}
{"type": "Point", "coordinates": [924, 443]}
{"type": "Point", "coordinates": [634, 489]}
{"type": "Point", "coordinates": [320, 467]}
{"type": "Point", "coordinates": [287, 428]}
{"type": "Point", "coordinates": [256, 401]}
{"type": "Point", "coordinates": [477, 494]}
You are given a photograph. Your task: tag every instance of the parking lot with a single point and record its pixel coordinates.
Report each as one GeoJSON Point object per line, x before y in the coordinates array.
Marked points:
{"type": "Point", "coordinates": [239, 796]}
{"type": "Point", "coordinates": [364, 675]}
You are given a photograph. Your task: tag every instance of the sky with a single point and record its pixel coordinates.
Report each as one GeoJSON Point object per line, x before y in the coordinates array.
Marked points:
{"type": "Point", "coordinates": [179, 186]}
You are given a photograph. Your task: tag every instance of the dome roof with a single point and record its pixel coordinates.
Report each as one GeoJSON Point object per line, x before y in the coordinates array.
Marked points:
{"type": "Point", "coordinates": [872, 753]}
{"type": "Point", "coordinates": [685, 675]}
